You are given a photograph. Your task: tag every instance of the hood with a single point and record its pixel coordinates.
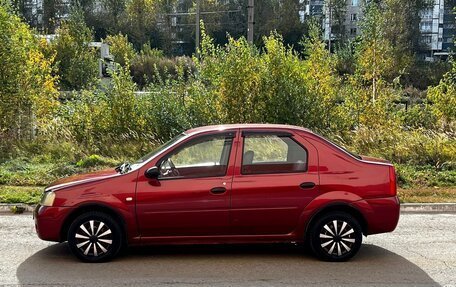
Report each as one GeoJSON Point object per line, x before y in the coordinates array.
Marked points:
{"type": "Point", "coordinates": [374, 159]}
{"type": "Point", "coordinates": [82, 178]}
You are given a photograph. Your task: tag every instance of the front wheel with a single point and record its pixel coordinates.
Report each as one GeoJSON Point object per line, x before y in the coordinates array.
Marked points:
{"type": "Point", "coordinates": [94, 237]}
{"type": "Point", "coordinates": [336, 236]}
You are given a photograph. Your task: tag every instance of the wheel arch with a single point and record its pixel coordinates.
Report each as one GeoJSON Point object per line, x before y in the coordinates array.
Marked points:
{"type": "Point", "coordinates": [341, 207]}
{"type": "Point", "coordinates": [88, 207]}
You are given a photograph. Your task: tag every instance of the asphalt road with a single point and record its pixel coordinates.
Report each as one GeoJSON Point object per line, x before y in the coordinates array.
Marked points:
{"type": "Point", "coordinates": [421, 252]}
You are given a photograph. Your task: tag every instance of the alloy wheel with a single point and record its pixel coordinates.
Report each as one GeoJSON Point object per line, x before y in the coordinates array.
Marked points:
{"type": "Point", "coordinates": [337, 237]}
{"type": "Point", "coordinates": [93, 238]}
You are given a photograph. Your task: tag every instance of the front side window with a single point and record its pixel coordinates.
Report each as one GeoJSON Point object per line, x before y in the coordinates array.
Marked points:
{"type": "Point", "coordinates": [204, 157]}
{"type": "Point", "coordinates": [272, 154]}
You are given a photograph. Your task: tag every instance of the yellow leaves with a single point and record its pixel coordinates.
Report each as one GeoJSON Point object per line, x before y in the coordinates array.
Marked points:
{"type": "Point", "coordinates": [120, 48]}
{"type": "Point", "coordinates": [28, 93]}
{"type": "Point", "coordinates": [443, 98]}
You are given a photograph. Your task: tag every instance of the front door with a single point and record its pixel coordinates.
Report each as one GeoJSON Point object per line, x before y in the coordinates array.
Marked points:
{"type": "Point", "coordinates": [276, 176]}
{"type": "Point", "coordinates": [191, 197]}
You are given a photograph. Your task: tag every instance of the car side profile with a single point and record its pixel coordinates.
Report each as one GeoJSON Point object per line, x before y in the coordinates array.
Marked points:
{"type": "Point", "coordinates": [243, 183]}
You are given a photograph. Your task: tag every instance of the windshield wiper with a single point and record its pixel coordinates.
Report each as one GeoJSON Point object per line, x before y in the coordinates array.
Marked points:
{"type": "Point", "coordinates": [123, 168]}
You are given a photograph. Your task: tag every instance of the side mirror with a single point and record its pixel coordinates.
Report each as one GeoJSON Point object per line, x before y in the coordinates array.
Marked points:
{"type": "Point", "coordinates": [152, 172]}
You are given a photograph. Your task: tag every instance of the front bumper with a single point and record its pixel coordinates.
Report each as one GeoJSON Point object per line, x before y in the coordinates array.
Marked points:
{"type": "Point", "coordinates": [49, 221]}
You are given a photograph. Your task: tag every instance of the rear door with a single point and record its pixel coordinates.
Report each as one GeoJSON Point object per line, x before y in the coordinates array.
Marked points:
{"type": "Point", "coordinates": [276, 176]}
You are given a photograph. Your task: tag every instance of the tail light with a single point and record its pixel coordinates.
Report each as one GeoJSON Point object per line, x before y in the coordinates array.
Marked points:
{"type": "Point", "coordinates": [392, 179]}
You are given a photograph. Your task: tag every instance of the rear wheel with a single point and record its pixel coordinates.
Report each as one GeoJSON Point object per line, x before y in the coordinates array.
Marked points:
{"type": "Point", "coordinates": [336, 236]}
{"type": "Point", "coordinates": [94, 237]}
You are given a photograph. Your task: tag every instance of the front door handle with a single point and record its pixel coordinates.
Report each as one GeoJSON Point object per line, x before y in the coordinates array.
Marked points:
{"type": "Point", "coordinates": [218, 190]}
{"type": "Point", "coordinates": [307, 185]}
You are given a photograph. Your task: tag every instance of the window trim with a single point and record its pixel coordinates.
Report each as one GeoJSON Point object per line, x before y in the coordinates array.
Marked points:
{"type": "Point", "coordinates": [279, 134]}
{"type": "Point", "coordinates": [228, 135]}
{"type": "Point", "coordinates": [266, 132]}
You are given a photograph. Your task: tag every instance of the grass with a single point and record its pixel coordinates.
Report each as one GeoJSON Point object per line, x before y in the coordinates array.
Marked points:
{"type": "Point", "coordinates": [428, 195]}
{"type": "Point", "coordinates": [32, 172]}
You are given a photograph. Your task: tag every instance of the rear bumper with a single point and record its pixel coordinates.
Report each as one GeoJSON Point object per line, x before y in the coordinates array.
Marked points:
{"type": "Point", "coordinates": [49, 221]}
{"type": "Point", "coordinates": [381, 214]}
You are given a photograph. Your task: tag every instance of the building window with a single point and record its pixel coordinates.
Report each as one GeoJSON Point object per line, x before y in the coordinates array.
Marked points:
{"type": "Point", "coordinates": [355, 3]}
{"type": "Point", "coordinates": [427, 39]}
{"type": "Point", "coordinates": [426, 26]}
{"type": "Point", "coordinates": [354, 17]}
{"type": "Point", "coordinates": [353, 31]}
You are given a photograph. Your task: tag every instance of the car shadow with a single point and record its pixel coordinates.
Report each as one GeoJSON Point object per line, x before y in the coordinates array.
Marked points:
{"type": "Point", "coordinates": [225, 265]}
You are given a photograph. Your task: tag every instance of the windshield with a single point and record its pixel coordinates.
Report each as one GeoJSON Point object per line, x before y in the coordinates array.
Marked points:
{"type": "Point", "coordinates": [159, 149]}
{"type": "Point", "coordinates": [126, 167]}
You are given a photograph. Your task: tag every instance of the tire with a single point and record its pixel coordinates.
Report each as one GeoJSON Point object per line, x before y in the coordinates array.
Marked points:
{"type": "Point", "coordinates": [95, 237]}
{"type": "Point", "coordinates": [336, 237]}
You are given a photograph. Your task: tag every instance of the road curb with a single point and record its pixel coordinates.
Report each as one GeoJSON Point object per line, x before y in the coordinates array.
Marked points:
{"type": "Point", "coordinates": [7, 207]}
{"type": "Point", "coordinates": [405, 207]}
{"type": "Point", "coordinates": [428, 208]}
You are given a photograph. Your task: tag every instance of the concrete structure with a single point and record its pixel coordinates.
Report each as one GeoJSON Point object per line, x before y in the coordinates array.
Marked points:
{"type": "Point", "coordinates": [350, 28]}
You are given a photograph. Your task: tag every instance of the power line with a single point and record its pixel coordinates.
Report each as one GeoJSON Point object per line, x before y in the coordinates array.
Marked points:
{"type": "Point", "coordinates": [202, 12]}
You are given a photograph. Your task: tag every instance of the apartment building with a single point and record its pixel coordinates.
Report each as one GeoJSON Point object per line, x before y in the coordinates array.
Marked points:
{"type": "Point", "coordinates": [438, 29]}
{"type": "Point", "coordinates": [352, 13]}
{"type": "Point", "coordinates": [438, 25]}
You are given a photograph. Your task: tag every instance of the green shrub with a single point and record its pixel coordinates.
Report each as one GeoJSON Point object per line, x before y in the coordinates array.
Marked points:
{"type": "Point", "coordinates": [426, 176]}
{"type": "Point", "coordinates": [15, 194]}
{"type": "Point", "coordinates": [95, 160]}
{"type": "Point", "coordinates": [121, 49]}
{"type": "Point", "coordinates": [77, 63]}
{"type": "Point", "coordinates": [147, 68]}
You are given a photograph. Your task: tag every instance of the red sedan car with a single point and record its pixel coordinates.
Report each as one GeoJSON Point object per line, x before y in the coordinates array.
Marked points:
{"type": "Point", "coordinates": [245, 183]}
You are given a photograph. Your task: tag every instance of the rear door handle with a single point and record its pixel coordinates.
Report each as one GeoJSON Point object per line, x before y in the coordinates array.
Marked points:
{"type": "Point", "coordinates": [307, 185]}
{"type": "Point", "coordinates": [218, 190]}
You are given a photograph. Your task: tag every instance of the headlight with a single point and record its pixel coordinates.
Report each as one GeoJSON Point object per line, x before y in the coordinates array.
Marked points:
{"type": "Point", "coordinates": [47, 199]}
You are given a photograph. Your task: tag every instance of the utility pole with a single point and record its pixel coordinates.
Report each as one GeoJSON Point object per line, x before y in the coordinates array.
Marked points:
{"type": "Point", "coordinates": [197, 27]}
{"type": "Point", "coordinates": [251, 22]}
{"type": "Point", "coordinates": [330, 25]}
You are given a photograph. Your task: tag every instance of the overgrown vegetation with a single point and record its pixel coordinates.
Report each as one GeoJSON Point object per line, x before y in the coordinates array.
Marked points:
{"type": "Point", "coordinates": [99, 125]}
{"type": "Point", "coordinates": [20, 194]}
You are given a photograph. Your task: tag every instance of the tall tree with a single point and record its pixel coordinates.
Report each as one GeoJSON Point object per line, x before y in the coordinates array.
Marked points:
{"type": "Point", "coordinates": [77, 63]}
{"type": "Point", "coordinates": [337, 11]}
{"type": "Point", "coordinates": [321, 79]}
{"type": "Point", "coordinates": [27, 87]}
{"type": "Point", "coordinates": [443, 97]}
{"type": "Point", "coordinates": [404, 35]}
{"type": "Point", "coordinates": [280, 15]}
{"type": "Point", "coordinates": [374, 52]}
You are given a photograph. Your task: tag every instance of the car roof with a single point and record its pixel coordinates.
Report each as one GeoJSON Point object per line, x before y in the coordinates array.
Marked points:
{"type": "Point", "coordinates": [245, 126]}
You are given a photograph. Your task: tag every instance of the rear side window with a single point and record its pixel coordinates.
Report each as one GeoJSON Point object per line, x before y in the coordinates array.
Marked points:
{"type": "Point", "coordinates": [272, 154]}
